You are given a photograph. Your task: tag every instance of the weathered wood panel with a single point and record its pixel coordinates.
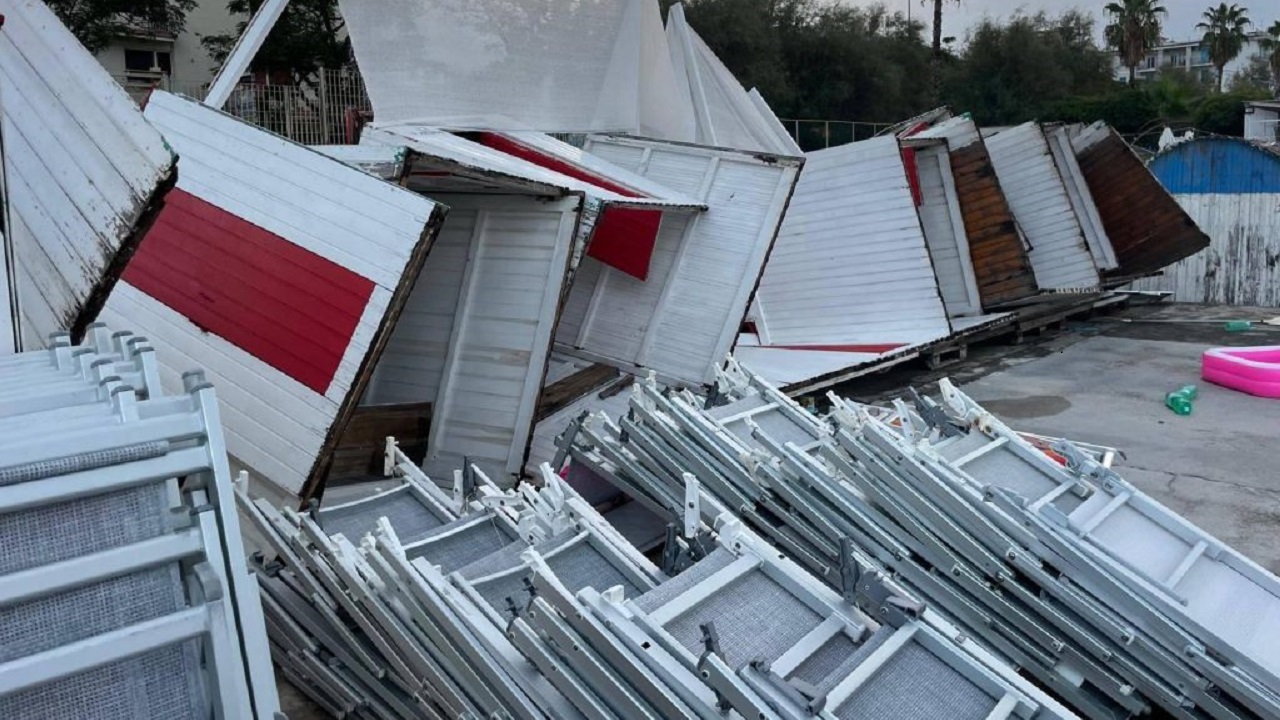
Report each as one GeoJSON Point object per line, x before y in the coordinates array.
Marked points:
{"type": "Point", "coordinates": [999, 260]}
{"type": "Point", "coordinates": [1147, 227]}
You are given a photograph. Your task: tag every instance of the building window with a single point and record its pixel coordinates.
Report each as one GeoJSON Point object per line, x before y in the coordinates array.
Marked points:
{"type": "Point", "coordinates": [147, 61]}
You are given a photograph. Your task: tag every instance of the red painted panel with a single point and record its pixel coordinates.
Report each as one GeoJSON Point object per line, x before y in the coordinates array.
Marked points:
{"type": "Point", "coordinates": [624, 238]}
{"type": "Point", "coordinates": [283, 304]}
{"type": "Point", "coordinates": [913, 169]}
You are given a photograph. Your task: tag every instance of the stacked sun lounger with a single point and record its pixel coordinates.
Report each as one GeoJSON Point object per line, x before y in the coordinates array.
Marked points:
{"type": "Point", "coordinates": [1037, 549]}
{"type": "Point", "coordinates": [123, 587]}
{"type": "Point", "coordinates": [475, 602]}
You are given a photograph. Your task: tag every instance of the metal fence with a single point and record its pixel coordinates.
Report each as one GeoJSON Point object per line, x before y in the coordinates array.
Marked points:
{"type": "Point", "coordinates": [316, 113]}
{"type": "Point", "coordinates": [313, 114]}
{"type": "Point", "coordinates": [820, 134]}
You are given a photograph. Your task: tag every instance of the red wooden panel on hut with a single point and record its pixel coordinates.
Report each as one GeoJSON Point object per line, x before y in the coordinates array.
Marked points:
{"type": "Point", "coordinates": [624, 238]}
{"type": "Point", "coordinates": [287, 306]}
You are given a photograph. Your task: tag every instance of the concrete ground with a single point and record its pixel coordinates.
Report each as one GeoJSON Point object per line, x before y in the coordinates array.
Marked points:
{"type": "Point", "coordinates": [1104, 381]}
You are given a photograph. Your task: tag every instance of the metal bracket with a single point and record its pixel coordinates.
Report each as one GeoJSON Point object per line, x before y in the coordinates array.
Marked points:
{"type": "Point", "coordinates": [936, 416]}
{"type": "Point", "coordinates": [868, 591]}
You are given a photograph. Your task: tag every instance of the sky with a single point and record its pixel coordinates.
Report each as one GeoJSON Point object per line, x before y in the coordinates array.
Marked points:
{"type": "Point", "coordinates": [1180, 24]}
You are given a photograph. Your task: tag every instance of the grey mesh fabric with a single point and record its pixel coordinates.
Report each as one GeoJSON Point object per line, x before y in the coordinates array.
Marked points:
{"type": "Point", "coordinates": [576, 563]}
{"type": "Point", "coordinates": [962, 445]}
{"type": "Point", "coordinates": [915, 685]}
{"type": "Point", "coordinates": [1002, 468]}
{"type": "Point", "coordinates": [83, 612]}
{"type": "Point", "coordinates": [671, 589]}
{"type": "Point", "coordinates": [462, 548]}
{"type": "Point", "coordinates": [754, 617]}
{"type": "Point", "coordinates": [411, 519]}
{"type": "Point", "coordinates": [837, 658]}
{"type": "Point", "coordinates": [80, 463]}
{"type": "Point", "coordinates": [50, 533]}
{"type": "Point", "coordinates": [550, 65]}
{"type": "Point", "coordinates": [164, 684]}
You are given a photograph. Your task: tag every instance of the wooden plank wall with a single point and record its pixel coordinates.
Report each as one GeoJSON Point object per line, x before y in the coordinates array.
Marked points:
{"type": "Point", "coordinates": [1000, 261]}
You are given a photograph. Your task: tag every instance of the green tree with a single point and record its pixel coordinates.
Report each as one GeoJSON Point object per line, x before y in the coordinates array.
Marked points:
{"type": "Point", "coordinates": [1134, 29]}
{"type": "Point", "coordinates": [1018, 71]}
{"type": "Point", "coordinates": [1271, 45]}
{"type": "Point", "coordinates": [308, 37]}
{"type": "Point", "coordinates": [97, 22]}
{"type": "Point", "coordinates": [1225, 31]}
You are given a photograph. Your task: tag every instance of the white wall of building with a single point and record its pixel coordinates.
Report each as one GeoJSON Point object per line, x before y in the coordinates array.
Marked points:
{"type": "Point", "coordinates": [1190, 56]}
{"type": "Point", "coordinates": [189, 64]}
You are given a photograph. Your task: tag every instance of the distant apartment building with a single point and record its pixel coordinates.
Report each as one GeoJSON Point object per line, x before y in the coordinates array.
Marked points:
{"type": "Point", "coordinates": [147, 57]}
{"type": "Point", "coordinates": [1192, 56]}
{"type": "Point", "coordinates": [1262, 120]}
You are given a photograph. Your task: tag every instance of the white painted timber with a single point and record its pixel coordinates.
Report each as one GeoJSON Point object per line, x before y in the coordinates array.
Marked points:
{"type": "Point", "coordinates": [82, 170]}
{"type": "Point", "coordinates": [1095, 234]}
{"type": "Point", "coordinates": [943, 224]}
{"type": "Point", "coordinates": [518, 65]}
{"type": "Point", "coordinates": [959, 132]}
{"type": "Point", "coordinates": [1034, 187]}
{"type": "Point", "coordinates": [501, 333]}
{"type": "Point", "coordinates": [685, 317]}
{"type": "Point", "coordinates": [1236, 268]}
{"type": "Point", "coordinates": [468, 158]}
{"type": "Point", "coordinates": [726, 114]}
{"type": "Point", "coordinates": [275, 426]}
{"type": "Point", "coordinates": [851, 266]}
{"type": "Point", "coordinates": [384, 161]}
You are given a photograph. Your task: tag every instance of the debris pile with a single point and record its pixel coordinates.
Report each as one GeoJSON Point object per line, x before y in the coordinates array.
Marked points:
{"type": "Point", "coordinates": [525, 603]}
{"type": "Point", "coordinates": [1046, 555]}
{"type": "Point", "coordinates": [123, 584]}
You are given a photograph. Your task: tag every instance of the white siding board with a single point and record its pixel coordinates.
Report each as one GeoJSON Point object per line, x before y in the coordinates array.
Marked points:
{"type": "Point", "coordinates": [1095, 233]}
{"type": "Point", "coordinates": [275, 426]}
{"type": "Point", "coordinates": [851, 265]}
{"type": "Point", "coordinates": [1244, 229]}
{"type": "Point", "coordinates": [685, 317]}
{"type": "Point", "coordinates": [83, 169]}
{"type": "Point", "coordinates": [1034, 187]}
{"type": "Point", "coordinates": [410, 367]}
{"type": "Point", "coordinates": [501, 334]}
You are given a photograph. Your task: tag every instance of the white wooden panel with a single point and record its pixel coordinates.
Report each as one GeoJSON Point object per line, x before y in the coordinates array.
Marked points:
{"type": "Point", "coordinates": [1034, 188]}
{"type": "Point", "coordinates": [353, 219]}
{"type": "Point", "coordinates": [410, 367]}
{"type": "Point", "coordinates": [274, 425]}
{"type": "Point", "coordinates": [851, 266]}
{"type": "Point", "coordinates": [501, 334]}
{"type": "Point", "coordinates": [1095, 234]}
{"type": "Point", "coordinates": [630, 157]}
{"type": "Point", "coordinates": [619, 307]}
{"type": "Point", "coordinates": [944, 231]}
{"type": "Point", "coordinates": [82, 168]}
{"type": "Point", "coordinates": [574, 313]}
{"type": "Point", "coordinates": [685, 317]}
{"type": "Point", "coordinates": [726, 115]}
{"type": "Point", "coordinates": [1244, 231]}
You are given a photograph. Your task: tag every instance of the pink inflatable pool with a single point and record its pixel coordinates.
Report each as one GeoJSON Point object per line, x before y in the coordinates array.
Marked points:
{"type": "Point", "coordinates": [1254, 370]}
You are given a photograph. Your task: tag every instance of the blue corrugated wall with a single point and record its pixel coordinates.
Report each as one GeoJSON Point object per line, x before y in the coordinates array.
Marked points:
{"type": "Point", "coordinates": [1217, 166]}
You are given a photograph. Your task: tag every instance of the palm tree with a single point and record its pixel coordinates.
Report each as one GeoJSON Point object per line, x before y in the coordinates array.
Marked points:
{"type": "Point", "coordinates": [1271, 45]}
{"type": "Point", "coordinates": [1225, 31]}
{"type": "Point", "coordinates": [935, 63]}
{"type": "Point", "coordinates": [1134, 30]}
